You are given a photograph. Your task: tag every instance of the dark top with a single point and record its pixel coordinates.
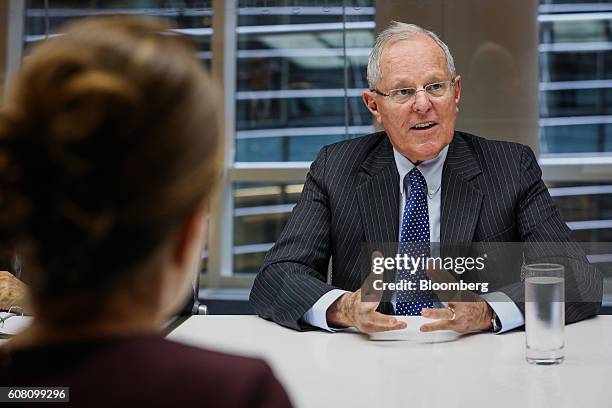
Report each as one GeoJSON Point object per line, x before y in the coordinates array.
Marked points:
{"type": "Point", "coordinates": [146, 371]}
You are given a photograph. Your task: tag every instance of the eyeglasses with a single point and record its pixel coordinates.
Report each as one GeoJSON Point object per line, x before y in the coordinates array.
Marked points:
{"type": "Point", "coordinates": [403, 95]}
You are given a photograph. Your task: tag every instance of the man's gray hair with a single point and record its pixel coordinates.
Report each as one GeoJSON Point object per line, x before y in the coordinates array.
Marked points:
{"type": "Point", "coordinates": [395, 32]}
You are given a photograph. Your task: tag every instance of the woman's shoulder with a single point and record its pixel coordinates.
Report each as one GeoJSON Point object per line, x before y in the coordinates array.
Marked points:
{"type": "Point", "coordinates": [168, 352]}
{"type": "Point", "coordinates": [145, 369]}
{"type": "Point", "coordinates": [235, 380]}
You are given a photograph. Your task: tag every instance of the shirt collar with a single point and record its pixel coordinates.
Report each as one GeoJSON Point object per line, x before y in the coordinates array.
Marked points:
{"type": "Point", "coordinates": [431, 169]}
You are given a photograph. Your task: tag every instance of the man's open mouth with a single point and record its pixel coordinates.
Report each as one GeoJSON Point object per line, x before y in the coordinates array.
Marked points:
{"type": "Point", "coordinates": [424, 125]}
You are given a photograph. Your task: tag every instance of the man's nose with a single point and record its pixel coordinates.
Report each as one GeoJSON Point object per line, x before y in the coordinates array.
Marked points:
{"type": "Point", "coordinates": [421, 102]}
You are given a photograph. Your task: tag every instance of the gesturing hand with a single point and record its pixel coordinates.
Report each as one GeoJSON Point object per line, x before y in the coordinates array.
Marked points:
{"type": "Point", "coordinates": [349, 310]}
{"type": "Point", "coordinates": [466, 312]}
{"type": "Point", "coordinates": [468, 317]}
{"type": "Point", "coordinates": [358, 309]}
{"type": "Point", "coordinates": [12, 291]}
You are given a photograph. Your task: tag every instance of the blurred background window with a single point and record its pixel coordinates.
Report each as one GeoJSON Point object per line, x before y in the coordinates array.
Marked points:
{"type": "Point", "coordinates": [301, 69]}
{"type": "Point", "coordinates": [191, 17]}
{"type": "Point", "coordinates": [576, 117]}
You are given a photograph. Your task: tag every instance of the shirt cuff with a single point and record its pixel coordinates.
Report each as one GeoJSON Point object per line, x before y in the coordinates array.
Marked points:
{"type": "Point", "coordinates": [317, 314]}
{"type": "Point", "coordinates": [507, 311]}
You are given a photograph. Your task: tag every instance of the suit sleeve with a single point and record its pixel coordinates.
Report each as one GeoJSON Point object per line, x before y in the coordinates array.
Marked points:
{"type": "Point", "coordinates": [548, 239]}
{"type": "Point", "coordinates": [293, 275]}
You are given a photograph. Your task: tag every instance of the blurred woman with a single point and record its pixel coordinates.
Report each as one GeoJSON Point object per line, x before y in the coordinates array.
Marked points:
{"type": "Point", "coordinates": [108, 153]}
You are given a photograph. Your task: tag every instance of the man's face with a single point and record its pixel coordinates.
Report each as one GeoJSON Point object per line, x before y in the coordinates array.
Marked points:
{"type": "Point", "coordinates": [415, 63]}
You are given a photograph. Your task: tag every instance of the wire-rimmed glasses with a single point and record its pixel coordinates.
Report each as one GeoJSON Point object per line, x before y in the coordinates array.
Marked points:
{"type": "Point", "coordinates": [403, 95]}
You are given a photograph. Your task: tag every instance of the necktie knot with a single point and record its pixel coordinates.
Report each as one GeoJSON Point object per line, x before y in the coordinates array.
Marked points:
{"type": "Point", "coordinates": [417, 181]}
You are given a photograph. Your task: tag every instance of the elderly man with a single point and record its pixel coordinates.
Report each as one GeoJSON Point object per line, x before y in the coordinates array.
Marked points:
{"type": "Point", "coordinates": [419, 180]}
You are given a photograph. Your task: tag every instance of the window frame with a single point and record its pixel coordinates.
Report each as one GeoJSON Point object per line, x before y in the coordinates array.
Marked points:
{"type": "Point", "coordinates": [12, 49]}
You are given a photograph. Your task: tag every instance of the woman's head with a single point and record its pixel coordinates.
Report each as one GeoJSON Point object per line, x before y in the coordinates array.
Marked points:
{"type": "Point", "coordinates": [108, 143]}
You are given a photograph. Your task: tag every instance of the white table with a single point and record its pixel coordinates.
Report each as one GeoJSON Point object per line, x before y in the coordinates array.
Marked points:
{"type": "Point", "coordinates": [320, 369]}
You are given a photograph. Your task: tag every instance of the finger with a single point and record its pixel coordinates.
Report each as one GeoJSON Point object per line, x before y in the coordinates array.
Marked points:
{"type": "Point", "coordinates": [438, 325]}
{"type": "Point", "coordinates": [377, 254]}
{"type": "Point", "coordinates": [383, 319]}
{"type": "Point", "coordinates": [437, 313]}
{"type": "Point", "coordinates": [370, 294]}
{"type": "Point", "coordinates": [375, 328]}
{"type": "Point", "coordinates": [376, 322]}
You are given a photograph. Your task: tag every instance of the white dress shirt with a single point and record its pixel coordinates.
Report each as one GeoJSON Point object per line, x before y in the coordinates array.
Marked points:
{"type": "Point", "coordinates": [508, 313]}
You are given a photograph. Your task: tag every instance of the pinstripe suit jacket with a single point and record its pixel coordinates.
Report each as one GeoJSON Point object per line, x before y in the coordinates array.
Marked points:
{"type": "Point", "coordinates": [491, 191]}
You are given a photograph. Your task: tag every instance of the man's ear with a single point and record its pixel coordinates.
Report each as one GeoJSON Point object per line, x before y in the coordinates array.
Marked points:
{"type": "Point", "coordinates": [457, 89]}
{"type": "Point", "coordinates": [370, 103]}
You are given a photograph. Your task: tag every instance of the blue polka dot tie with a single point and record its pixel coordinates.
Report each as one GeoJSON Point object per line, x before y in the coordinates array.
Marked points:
{"type": "Point", "coordinates": [414, 242]}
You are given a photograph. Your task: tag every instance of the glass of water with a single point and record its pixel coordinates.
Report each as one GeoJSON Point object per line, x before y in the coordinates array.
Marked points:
{"type": "Point", "coordinates": [544, 313]}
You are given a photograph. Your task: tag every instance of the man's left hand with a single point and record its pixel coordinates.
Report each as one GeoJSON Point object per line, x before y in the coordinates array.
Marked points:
{"type": "Point", "coordinates": [467, 312]}
{"type": "Point", "coordinates": [13, 292]}
{"type": "Point", "coordinates": [473, 316]}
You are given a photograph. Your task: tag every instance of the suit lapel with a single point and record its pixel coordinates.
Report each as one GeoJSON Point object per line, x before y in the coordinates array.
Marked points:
{"type": "Point", "coordinates": [378, 194]}
{"type": "Point", "coordinates": [461, 199]}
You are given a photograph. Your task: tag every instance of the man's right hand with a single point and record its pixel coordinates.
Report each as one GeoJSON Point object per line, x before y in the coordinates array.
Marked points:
{"type": "Point", "coordinates": [349, 310]}
{"type": "Point", "coordinates": [13, 292]}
